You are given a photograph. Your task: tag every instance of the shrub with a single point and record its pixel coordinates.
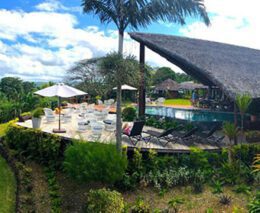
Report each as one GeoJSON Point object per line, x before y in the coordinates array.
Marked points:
{"type": "Point", "coordinates": [174, 204]}
{"type": "Point", "coordinates": [94, 162]}
{"type": "Point", "coordinates": [254, 204]}
{"type": "Point", "coordinates": [198, 181]}
{"type": "Point", "coordinates": [198, 159]}
{"type": "Point", "coordinates": [129, 114]}
{"type": "Point", "coordinates": [217, 187]}
{"type": "Point", "coordinates": [104, 201]}
{"type": "Point", "coordinates": [140, 206]}
{"type": "Point", "coordinates": [34, 144]}
{"type": "Point", "coordinates": [242, 188]}
{"type": "Point", "coordinates": [37, 113]}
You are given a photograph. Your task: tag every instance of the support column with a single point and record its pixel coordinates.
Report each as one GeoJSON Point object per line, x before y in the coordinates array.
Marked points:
{"type": "Point", "coordinates": [235, 120]}
{"type": "Point", "coordinates": [142, 82]}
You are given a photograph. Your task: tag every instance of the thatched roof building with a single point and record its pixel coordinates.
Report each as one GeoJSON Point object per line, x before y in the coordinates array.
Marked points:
{"type": "Point", "coordinates": [190, 85]}
{"type": "Point", "coordinates": [167, 85]}
{"type": "Point", "coordinates": [234, 69]}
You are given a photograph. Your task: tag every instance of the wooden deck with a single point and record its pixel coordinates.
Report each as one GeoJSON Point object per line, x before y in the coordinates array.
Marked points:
{"type": "Point", "coordinates": [176, 146]}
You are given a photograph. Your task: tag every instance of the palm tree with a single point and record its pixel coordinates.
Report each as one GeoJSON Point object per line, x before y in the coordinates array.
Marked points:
{"type": "Point", "coordinates": [141, 13]}
{"type": "Point", "coordinates": [243, 102]}
{"type": "Point", "coordinates": [230, 131]}
{"type": "Point", "coordinates": [118, 70]}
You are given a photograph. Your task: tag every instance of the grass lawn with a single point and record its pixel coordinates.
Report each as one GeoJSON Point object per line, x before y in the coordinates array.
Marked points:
{"type": "Point", "coordinates": [7, 188]}
{"type": "Point", "coordinates": [3, 128]}
{"type": "Point", "coordinates": [183, 102]}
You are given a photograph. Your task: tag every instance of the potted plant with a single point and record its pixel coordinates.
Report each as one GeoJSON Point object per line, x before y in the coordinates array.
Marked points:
{"type": "Point", "coordinates": [36, 117]}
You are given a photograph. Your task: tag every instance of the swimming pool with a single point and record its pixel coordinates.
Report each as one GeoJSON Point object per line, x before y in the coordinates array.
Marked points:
{"type": "Point", "coordinates": [189, 114]}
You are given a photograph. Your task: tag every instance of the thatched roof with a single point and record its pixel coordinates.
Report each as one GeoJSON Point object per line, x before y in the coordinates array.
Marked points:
{"type": "Point", "coordinates": [190, 85]}
{"type": "Point", "coordinates": [235, 69]}
{"type": "Point", "coordinates": [167, 85]}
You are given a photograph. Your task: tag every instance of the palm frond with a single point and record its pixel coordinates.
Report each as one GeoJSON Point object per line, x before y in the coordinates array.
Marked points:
{"type": "Point", "coordinates": [140, 13]}
{"type": "Point", "coordinates": [243, 102]}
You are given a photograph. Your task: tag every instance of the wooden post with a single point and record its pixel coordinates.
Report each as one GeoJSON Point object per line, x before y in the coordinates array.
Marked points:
{"type": "Point", "coordinates": [142, 82]}
{"type": "Point", "coordinates": [235, 120]}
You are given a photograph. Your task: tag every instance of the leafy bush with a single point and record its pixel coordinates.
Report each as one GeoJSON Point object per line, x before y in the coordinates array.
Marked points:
{"type": "Point", "coordinates": [104, 201]}
{"type": "Point", "coordinates": [140, 206]}
{"type": "Point", "coordinates": [242, 188]}
{"type": "Point", "coordinates": [34, 144]}
{"type": "Point", "coordinates": [94, 162]}
{"type": "Point", "coordinates": [217, 187]}
{"type": "Point", "coordinates": [174, 204]}
{"type": "Point", "coordinates": [254, 204]}
{"type": "Point", "coordinates": [37, 113]}
{"type": "Point", "coordinates": [129, 114]}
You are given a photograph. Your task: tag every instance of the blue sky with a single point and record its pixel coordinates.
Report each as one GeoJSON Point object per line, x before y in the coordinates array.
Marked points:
{"type": "Point", "coordinates": [41, 39]}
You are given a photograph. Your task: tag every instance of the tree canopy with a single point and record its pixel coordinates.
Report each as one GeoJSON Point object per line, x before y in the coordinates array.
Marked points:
{"type": "Point", "coordinates": [164, 73]}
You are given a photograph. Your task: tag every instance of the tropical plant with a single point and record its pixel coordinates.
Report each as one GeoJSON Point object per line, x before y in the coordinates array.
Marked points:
{"type": "Point", "coordinates": [256, 163]}
{"type": "Point", "coordinates": [254, 204]}
{"type": "Point", "coordinates": [217, 187]}
{"type": "Point", "coordinates": [242, 188]}
{"type": "Point", "coordinates": [104, 201]}
{"type": "Point", "coordinates": [124, 13]}
{"type": "Point", "coordinates": [230, 130]}
{"type": "Point", "coordinates": [225, 199]}
{"type": "Point", "coordinates": [140, 206]}
{"type": "Point", "coordinates": [243, 102]}
{"type": "Point", "coordinates": [174, 204]}
{"type": "Point", "coordinates": [119, 70]}
{"type": "Point", "coordinates": [37, 113]}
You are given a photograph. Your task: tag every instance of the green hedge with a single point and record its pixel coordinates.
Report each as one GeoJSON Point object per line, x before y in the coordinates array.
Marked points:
{"type": "Point", "coordinates": [34, 144]}
{"type": "Point", "coordinates": [89, 161]}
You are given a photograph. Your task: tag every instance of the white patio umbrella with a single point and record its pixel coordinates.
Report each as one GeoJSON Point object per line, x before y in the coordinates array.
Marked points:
{"type": "Point", "coordinates": [126, 87]}
{"type": "Point", "coordinates": [62, 91]}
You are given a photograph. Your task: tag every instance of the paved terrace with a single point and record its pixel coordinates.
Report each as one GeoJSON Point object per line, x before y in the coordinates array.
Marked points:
{"type": "Point", "coordinates": [109, 136]}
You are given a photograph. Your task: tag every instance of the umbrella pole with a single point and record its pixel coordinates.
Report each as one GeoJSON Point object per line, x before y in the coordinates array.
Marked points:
{"type": "Point", "coordinates": [59, 130]}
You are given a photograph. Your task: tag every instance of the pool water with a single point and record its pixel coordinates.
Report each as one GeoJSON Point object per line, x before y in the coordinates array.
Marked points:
{"type": "Point", "coordinates": [189, 114]}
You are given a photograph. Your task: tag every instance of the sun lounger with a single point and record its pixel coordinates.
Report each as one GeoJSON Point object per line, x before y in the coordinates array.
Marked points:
{"type": "Point", "coordinates": [161, 136]}
{"type": "Point", "coordinates": [136, 132]}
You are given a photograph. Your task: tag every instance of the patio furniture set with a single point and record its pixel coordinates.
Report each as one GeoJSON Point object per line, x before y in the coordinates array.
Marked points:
{"type": "Point", "coordinates": [87, 118]}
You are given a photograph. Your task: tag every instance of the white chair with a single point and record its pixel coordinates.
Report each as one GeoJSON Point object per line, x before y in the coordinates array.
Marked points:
{"type": "Point", "coordinates": [110, 125]}
{"type": "Point", "coordinates": [111, 101]}
{"type": "Point", "coordinates": [105, 112]}
{"type": "Point", "coordinates": [67, 115]}
{"type": "Point", "coordinates": [49, 115]}
{"type": "Point", "coordinates": [100, 102]}
{"type": "Point", "coordinates": [98, 115]}
{"type": "Point", "coordinates": [83, 125]}
{"type": "Point", "coordinates": [96, 131]}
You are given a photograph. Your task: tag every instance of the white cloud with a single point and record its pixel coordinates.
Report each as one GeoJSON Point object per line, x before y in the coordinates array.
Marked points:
{"type": "Point", "coordinates": [55, 5]}
{"type": "Point", "coordinates": [233, 21]}
{"type": "Point", "coordinates": [54, 43]}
